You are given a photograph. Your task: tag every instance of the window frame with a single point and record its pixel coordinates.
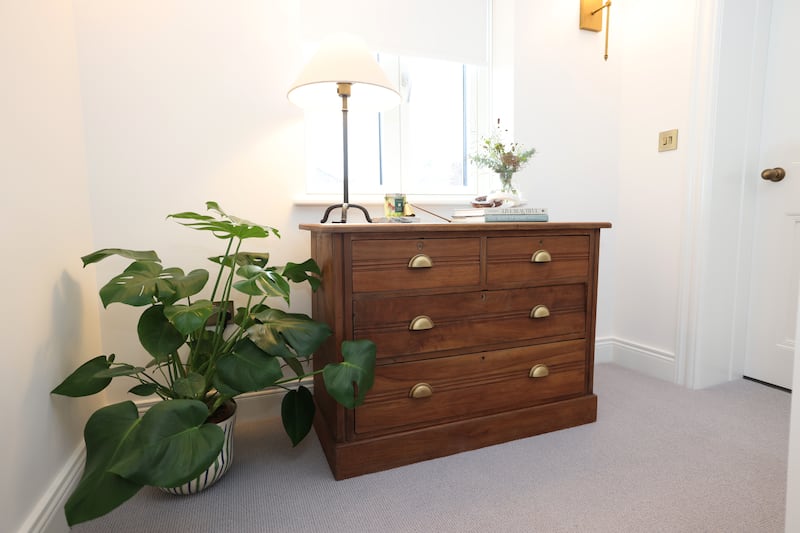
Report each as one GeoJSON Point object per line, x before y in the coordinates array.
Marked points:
{"type": "Point", "coordinates": [394, 161]}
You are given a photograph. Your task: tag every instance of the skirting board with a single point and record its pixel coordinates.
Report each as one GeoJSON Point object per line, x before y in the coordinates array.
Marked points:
{"type": "Point", "coordinates": [48, 515]}
{"type": "Point", "coordinates": [643, 359]}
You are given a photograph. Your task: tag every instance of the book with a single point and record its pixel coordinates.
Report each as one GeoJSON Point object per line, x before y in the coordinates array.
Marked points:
{"type": "Point", "coordinates": [515, 217]}
{"type": "Point", "coordinates": [481, 211]}
{"type": "Point", "coordinates": [468, 220]}
{"type": "Point", "coordinates": [500, 217]}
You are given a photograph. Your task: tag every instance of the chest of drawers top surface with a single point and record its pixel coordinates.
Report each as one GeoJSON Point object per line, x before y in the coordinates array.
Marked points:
{"type": "Point", "coordinates": [413, 227]}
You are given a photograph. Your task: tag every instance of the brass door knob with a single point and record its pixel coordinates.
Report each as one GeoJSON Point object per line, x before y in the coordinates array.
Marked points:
{"type": "Point", "coordinates": [773, 174]}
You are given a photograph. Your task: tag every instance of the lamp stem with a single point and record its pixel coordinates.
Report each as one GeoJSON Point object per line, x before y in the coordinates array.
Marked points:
{"type": "Point", "coordinates": [344, 92]}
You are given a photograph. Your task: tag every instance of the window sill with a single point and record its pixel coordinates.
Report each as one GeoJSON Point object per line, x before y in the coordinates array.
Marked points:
{"type": "Point", "coordinates": [377, 200]}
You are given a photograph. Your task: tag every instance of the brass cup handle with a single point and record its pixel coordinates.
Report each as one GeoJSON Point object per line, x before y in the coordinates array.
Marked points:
{"type": "Point", "coordinates": [420, 390]}
{"type": "Point", "coordinates": [540, 311]}
{"type": "Point", "coordinates": [420, 323]}
{"type": "Point", "coordinates": [420, 261]}
{"type": "Point", "coordinates": [541, 256]}
{"type": "Point", "coordinates": [773, 174]}
{"type": "Point", "coordinates": [539, 371]}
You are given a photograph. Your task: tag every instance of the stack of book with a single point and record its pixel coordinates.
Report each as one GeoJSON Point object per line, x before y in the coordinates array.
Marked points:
{"type": "Point", "coordinates": [500, 214]}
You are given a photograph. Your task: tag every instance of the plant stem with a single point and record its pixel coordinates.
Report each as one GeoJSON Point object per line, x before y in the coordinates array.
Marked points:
{"type": "Point", "coordinates": [218, 401]}
{"type": "Point", "coordinates": [176, 361]}
{"type": "Point", "coordinates": [226, 293]}
{"type": "Point", "coordinates": [221, 269]}
{"type": "Point", "coordinates": [240, 330]}
{"type": "Point", "coordinates": [160, 367]}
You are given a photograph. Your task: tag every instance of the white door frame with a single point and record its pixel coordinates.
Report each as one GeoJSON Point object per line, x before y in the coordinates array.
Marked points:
{"type": "Point", "coordinates": [732, 40]}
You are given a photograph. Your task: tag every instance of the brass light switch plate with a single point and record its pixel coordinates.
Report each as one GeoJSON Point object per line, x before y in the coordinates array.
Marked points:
{"type": "Point", "coordinates": [588, 21]}
{"type": "Point", "coordinates": [668, 140]}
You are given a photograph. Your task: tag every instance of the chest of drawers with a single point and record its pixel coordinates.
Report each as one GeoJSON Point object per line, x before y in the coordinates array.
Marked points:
{"type": "Point", "coordinates": [484, 334]}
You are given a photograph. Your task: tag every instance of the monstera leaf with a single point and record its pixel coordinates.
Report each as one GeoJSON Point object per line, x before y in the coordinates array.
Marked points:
{"type": "Point", "coordinates": [278, 329]}
{"type": "Point", "coordinates": [147, 282]}
{"type": "Point", "coordinates": [259, 281]}
{"type": "Point", "coordinates": [84, 381]}
{"type": "Point", "coordinates": [170, 445]}
{"type": "Point", "coordinates": [189, 318]}
{"type": "Point", "coordinates": [99, 491]}
{"type": "Point", "coordinates": [226, 227]}
{"type": "Point", "coordinates": [349, 381]}
{"type": "Point", "coordinates": [297, 413]}
{"type": "Point", "coordinates": [306, 271]}
{"type": "Point", "coordinates": [157, 334]}
{"type": "Point", "coordinates": [248, 368]}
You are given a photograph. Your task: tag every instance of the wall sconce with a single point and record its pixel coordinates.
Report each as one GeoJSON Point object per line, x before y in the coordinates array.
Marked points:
{"type": "Point", "coordinates": [592, 18]}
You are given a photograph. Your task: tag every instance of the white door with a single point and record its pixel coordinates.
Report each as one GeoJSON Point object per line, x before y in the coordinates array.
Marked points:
{"type": "Point", "coordinates": [776, 248]}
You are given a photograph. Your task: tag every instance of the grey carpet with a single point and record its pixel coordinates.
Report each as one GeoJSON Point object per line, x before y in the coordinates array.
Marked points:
{"type": "Point", "coordinates": [659, 458]}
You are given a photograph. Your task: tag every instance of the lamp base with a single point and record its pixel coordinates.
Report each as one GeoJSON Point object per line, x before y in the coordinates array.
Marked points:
{"type": "Point", "coordinates": [344, 208]}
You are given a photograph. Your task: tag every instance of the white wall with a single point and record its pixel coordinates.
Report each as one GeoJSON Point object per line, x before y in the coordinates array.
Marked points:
{"type": "Point", "coordinates": [656, 45]}
{"type": "Point", "coordinates": [595, 124]}
{"type": "Point", "coordinates": [183, 105]}
{"type": "Point", "coordinates": [49, 319]}
{"type": "Point", "coordinates": [566, 103]}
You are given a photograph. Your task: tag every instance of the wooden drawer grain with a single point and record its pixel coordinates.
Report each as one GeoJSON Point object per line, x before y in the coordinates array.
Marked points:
{"type": "Point", "coordinates": [471, 385]}
{"type": "Point", "coordinates": [508, 259]}
{"type": "Point", "coordinates": [469, 320]}
{"type": "Point", "coordinates": [383, 265]}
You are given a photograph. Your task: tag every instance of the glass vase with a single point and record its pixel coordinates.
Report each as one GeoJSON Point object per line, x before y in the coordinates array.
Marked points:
{"type": "Point", "coordinates": [507, 185]}
{"type": "Point", "coordinates": [508, 195]}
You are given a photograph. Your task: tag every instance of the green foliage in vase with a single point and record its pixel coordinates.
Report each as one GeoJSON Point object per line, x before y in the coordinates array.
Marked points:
{"type": "Point", "coordinates": [499, 155]}
{"type": "Point", "coordinates": [202, 354]}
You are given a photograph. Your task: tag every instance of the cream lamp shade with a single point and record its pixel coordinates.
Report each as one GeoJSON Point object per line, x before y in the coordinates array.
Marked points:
{"type": "Point", "coordinates": [343, 73]}
{"type": "Point", "coordinates": [343, 58]}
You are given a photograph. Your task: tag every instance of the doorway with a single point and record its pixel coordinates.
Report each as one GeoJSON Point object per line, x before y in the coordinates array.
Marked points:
{"type": "Point", "coordinates": [775, 267]}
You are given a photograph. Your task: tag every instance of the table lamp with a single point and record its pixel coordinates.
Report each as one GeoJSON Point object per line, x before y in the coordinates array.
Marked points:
{"type": "Point", "coordinates": [343, 72]}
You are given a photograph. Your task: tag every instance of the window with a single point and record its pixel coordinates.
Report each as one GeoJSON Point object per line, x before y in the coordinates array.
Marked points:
{"type": "Point", "coordinates": [420, 147]}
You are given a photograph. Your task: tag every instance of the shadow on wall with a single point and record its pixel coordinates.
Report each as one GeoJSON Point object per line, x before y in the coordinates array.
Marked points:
{"type": "Point", "coordinates": [48, 422]}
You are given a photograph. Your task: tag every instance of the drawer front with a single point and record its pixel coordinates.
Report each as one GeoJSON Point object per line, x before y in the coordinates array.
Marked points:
{"type": "Point", "coordinates": [390, 264]}
{"type": "Point", "coordinates": [422, 324]}
{"type": "Point", "coordinates": [471, 385]}
{"type": "Point", "coordinates": [515, 260]}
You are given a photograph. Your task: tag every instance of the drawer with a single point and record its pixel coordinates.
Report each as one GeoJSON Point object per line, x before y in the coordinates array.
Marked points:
{"type": "Point", "coordinates": [405, 325]}
{"type": "Point", "coordinates": [515, 260]}
{"type": "Point", "coordinates": [386, 264]}
{"type": "Point", "coordinates": [471, 385]}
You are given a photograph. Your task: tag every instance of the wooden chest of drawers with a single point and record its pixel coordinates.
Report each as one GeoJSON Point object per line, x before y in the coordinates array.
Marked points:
{"type": "Point", "coordinates": [484, 332]}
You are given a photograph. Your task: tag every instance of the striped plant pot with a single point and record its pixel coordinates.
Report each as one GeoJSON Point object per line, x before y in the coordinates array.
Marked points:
{"type": "Point", "coordinates": [217, 468]}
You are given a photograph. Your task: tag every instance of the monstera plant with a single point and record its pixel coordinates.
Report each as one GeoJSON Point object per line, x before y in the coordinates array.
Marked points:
{"type": "Point", "coordinates": [204, 351]}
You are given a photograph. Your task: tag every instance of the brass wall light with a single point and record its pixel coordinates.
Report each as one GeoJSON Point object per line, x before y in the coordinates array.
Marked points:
{"type": "Point", "coordinates": [592, 18]}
